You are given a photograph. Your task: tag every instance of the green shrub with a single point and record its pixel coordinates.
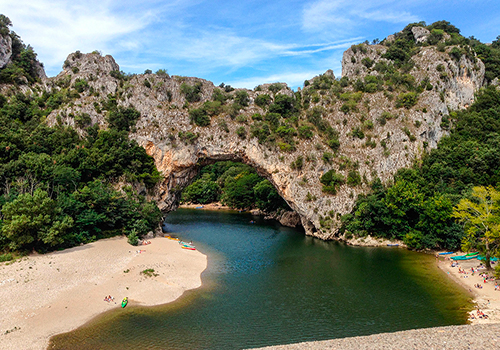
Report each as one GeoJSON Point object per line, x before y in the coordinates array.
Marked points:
{"type": "Point", "coordinates": [219, 96]}
{"type": "Point", "coordinates": [192, 93]}
{"type": "Point", "coordinates": [263, 100]}
{"type": "Point", "coordinates": [188, 137]}
{"type": "Point", "coordinates": [82, 120]}
{"type": "Point", "coordinates": [368, 125]}
{"type": "Point", "coordinates": [353, 178]}
{"type": "Point", "coordinates": [327, 157]}
{"type": "Point", "coordinates": [367, 62]}
{"type": "Point", "coordinates": [241, 132]}
{"type": "Point", "coordinates": [81, 85]}
{"type": "Point", "coordinates": [149, 273]}
{"type": "Point", "coordinates": [241, 97]}
{"type": "Point", "coordinates": [212, 107]}
{"type": "Point", "coordinates": [274, 88]}
{"type": "Point", "coordinates": [283, 105]}
{"type": "Point", "coordinates": [199, 117]}
{"type": "Point", "coordinates": [331, 181]}
{"type": "Point", "coordinates": [407, 100]}
{"type": "Point", "coordinates": [6, 257]}
{"type": "Point", "coordinates": [333, 142]}
{"type": "Point", "coordinates": [223, 125]}
{"type": "Point", "coordinates": [357, 132]}
{"type": "Point", "coordinates": [305, 132]}
{"type": "Point", "coordinates": [298, 163]}
{"type": "Point", "coordinates": [261, 131]}
{"type": "Point", "coordinates": [133, 239]}
{"type": "Point", "coordinates": [285, 147]}
{"type": "Point", "coordinates": [123, 118]}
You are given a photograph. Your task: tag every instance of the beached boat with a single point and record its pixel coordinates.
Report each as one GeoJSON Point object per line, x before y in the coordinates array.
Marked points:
{"type": "Point", "coordinates": [472, 254]}
{"type": "Point", "coordinates": [463, 257]}
{"type": "Point", "coordinates": [393, 245]}
{"type": "Point", "coordinates": [124, 301]}
{"type": "Point", "coordinates": [482, 258]}
{"type": "Point", "coordinates": [188, 247]}
{"type": "Point", "coordinates": [446, 253]}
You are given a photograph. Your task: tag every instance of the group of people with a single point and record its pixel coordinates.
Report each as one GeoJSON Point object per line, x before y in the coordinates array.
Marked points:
{"type": "Point", "coordinates": [478, 285]}
{"type": "Point", "coordinates": [146, 242]}
{"type": "Point", "coordinates": [109, 298]}
{"type": "Point", "coordinates": [479, 314]}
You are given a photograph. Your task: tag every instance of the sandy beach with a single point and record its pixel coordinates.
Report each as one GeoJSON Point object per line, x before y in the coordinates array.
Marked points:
{"type": "Point", "coordinates": [44, 295]}
{"type": "Point", "coordinates": [487, 299]}
{"type": "Point", "coordinates": [209, 206]}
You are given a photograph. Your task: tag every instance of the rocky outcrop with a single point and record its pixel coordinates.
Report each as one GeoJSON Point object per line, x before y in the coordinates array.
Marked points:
{"type": "Point", "coordinates": [5, 50]}
{"type": "Point", "coordinates": [289, 219]}
{"type": "Point", "coordinates": [420, 34]}
{"type": "Point", "coordinates": [393, 137]}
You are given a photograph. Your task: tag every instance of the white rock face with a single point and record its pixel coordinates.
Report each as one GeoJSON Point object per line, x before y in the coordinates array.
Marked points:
{"type": "Point", "coordinates": [420, 34]}
{"type": "Point", "coordinates": [181, 148]}
{"type": "Point", "coordinates": [5, 50]}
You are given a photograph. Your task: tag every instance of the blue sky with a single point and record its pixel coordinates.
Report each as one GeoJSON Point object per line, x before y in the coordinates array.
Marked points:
{"type": "Point", "coordinates": [241, 43]}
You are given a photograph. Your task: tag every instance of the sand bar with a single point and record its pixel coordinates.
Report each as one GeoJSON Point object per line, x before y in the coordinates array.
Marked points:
{"type": "Point", "coordinates": [44, 295]}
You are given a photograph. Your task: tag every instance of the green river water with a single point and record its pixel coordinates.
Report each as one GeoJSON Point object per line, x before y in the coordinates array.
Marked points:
{"type": "Point", "coordinates": [266, 284]}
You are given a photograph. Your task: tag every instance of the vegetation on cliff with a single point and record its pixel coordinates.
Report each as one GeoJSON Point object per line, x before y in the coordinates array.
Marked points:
{"type": "Point", "coordinates": [23, 65]}
{"type": "Point", "coordinates": [418, 207]}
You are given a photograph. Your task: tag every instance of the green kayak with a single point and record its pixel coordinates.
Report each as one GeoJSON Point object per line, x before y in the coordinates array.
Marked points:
{"type": "Point", "coordinates": [124, 301]}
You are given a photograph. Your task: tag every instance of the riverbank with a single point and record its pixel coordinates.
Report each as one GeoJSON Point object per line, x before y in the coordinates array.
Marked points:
{"type": "Point", "coordinates": [44, 295]}
{"type": "Point", "coordinates": [487, 299]}
{"type": "Point", "coordinates": [450, 338]}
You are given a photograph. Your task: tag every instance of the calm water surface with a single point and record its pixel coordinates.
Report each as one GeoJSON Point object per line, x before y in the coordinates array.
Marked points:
{"type": "Point", "coordinates": [266, 285]}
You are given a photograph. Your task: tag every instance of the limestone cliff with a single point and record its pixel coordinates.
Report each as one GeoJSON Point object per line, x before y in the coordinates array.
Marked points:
{"type": "Point", "coordinates": [376, 138]}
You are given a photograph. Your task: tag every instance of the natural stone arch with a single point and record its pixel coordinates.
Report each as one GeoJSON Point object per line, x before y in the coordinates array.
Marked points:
{"type": "Point", "coordinates": [178, 175]}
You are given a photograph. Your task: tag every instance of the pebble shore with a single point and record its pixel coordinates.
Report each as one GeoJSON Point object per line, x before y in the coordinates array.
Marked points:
{"type": "Point", "coordinates": [466, 337]}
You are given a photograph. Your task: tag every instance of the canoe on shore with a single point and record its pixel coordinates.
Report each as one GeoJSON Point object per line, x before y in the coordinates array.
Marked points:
{"type": "Point", "coordinates": [446, 253]}
{"type": "Point", "coordinates": [482, 258]}
{"type": "Point", "coordinates": [463, 257]}
{"type": "Point", "coordinates": [472, 254]}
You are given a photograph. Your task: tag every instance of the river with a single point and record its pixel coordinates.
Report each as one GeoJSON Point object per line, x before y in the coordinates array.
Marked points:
{"type": "Point", "coordinates": [266, 284]}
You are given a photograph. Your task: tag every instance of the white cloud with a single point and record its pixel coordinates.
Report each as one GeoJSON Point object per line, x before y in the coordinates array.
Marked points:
{"type": "Point", "coordinates": [56, 28]}
{"type": "Point", "coordinates": [221, 48]}
{"type": "Point", "coordinates": [291, 79]}
{"type": "Point", "coordinates": [339, 17]}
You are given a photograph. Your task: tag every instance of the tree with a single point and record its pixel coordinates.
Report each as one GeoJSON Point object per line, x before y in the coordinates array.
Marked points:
{"type": "Point", "coordinates": [202, 191]}
{"type": "Point", "coordinates": [481, 218]}
{"type": "Point", "coordinates": [31, 220]}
